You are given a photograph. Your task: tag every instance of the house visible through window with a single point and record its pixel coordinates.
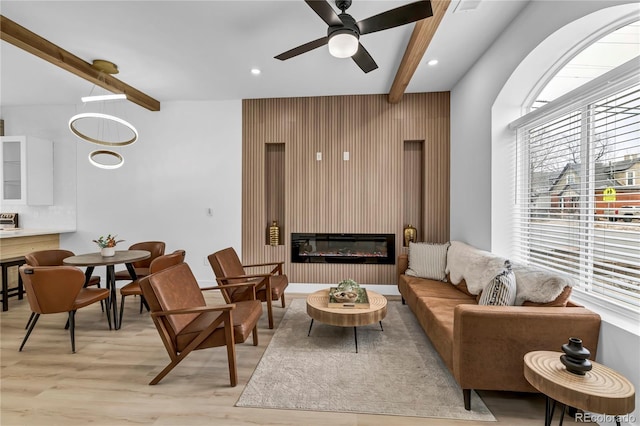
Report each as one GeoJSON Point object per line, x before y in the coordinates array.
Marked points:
{"type": "Point", "coordinates": [586, 222]}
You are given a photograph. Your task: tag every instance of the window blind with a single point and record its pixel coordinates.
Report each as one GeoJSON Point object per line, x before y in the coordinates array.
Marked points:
{"type": "Point", "coordinates": [578, 193]}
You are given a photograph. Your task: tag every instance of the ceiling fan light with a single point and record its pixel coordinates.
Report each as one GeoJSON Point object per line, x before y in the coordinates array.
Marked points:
{"type": "Point", "coordinates": [343, 44]}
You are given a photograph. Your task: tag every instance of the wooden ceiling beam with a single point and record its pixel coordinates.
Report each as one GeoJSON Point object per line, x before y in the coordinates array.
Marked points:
{"type": "Point", "coordinates": [44, 49]}
{"type": "Point", "coordinates": [422, 35]}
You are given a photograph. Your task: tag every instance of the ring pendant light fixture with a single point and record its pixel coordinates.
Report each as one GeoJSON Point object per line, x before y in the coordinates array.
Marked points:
{"type": "Point", "coordinates": [101, 139]}
{"type": "Point", "coordinates": [101, 128]}
{"type": "Point", "coordinates": [95, 162]}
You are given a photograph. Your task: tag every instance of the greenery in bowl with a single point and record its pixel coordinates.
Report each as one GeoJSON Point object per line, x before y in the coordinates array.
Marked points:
{"type": "Point", "coordinates": [348, 285]}
{"type": "Point", "coordinates": [108, 241]}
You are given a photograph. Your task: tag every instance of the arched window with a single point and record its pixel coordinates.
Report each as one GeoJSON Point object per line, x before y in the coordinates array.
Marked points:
{"type": "Point", "coordinates": [580, 142]}
{"type": "Point", "coordinates": [605, 54]}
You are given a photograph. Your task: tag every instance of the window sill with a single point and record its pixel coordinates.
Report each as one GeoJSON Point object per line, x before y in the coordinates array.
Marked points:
{"type": "Point", "coordinates": [610, 312]}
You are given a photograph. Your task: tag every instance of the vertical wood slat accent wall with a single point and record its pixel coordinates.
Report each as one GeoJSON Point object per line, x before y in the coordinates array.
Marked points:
{"type": "Point", "coordinates": [362, 195]}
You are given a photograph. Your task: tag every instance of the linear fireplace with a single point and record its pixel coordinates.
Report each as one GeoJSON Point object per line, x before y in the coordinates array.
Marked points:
{"type": "Point", "coordinates": [343, 248]}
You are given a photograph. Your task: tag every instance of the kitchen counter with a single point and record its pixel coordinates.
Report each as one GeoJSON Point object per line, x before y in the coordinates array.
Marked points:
{"type": "Point", "coordinates": [30, 232]}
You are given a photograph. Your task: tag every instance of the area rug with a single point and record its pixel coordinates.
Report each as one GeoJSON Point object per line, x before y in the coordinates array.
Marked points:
{"type": "Point", "coordinates": [395, 372]}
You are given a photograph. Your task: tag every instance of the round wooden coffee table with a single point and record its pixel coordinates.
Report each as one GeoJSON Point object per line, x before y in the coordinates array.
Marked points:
{"type": "Point", "coordinates": [600, 390]}
{"type": "Point", "coordinates": [318, 309]}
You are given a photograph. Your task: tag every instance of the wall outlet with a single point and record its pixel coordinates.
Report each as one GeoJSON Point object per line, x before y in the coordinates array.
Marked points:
{"type": "Point", "coordinates": [318, 156]}
{"type": "Point", "coordinates": [345, 155]}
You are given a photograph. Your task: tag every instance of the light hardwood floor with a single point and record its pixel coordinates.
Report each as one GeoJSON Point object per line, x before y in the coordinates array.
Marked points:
{"type": "Point", "coordinates": [106, 381]}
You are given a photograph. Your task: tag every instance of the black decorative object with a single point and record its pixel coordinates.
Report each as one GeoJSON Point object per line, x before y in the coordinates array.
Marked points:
{"type": "Point", "coordinates": [576, 357]}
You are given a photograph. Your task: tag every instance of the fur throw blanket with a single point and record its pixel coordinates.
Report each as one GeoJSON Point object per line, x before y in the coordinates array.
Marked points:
{"type": "Point", "coordinates": [475, 266]}
{"type": "Point", "coordinates": [478, 268]}
{"type": "Point", "coordinates": [538, 285]}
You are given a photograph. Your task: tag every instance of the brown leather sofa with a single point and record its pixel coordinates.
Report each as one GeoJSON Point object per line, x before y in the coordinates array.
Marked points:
{"type": "Point", "coordinates": [484, 346]}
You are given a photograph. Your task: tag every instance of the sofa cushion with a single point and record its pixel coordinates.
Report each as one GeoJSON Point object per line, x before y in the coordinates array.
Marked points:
{"type": "Point", "coordinates": [421, 287]}
{"type": "Point", "coordinates": [437, 315]}
{"type": "Point", "coordinates": [501, 291]}
{"type": "Point", "coordinates": [462, 286]}
{"type": "Point", "coordinates": [427, 260]}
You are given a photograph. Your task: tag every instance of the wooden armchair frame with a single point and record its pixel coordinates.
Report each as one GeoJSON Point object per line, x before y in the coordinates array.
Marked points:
{"type": "Point", "coordinates": [176, 357]}
{"type": "Point", "coordinates": [264, 281]}
{"type": "Point", "coordinates": [226, 318]}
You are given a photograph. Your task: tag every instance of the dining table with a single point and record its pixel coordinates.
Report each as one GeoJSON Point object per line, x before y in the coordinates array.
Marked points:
{"type": "Point", "coordinates": [91, 260]}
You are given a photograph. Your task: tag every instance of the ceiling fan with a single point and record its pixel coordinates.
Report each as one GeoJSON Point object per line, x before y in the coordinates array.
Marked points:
{"type": "Point", "coordinates": [343, 34]}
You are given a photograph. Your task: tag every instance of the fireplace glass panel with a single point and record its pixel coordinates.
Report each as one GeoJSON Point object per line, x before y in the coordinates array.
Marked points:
{"type": "Point", "coordinates": [343, 248]}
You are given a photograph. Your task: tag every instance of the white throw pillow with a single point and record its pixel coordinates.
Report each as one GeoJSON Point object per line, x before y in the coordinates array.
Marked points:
{"type": "Point", "coordinates": [501, 290]}
{"type": "Point", "coordinates": [427, 260]}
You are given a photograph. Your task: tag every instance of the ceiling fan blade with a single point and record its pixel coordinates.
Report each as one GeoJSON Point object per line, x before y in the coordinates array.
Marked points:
{"type": "Point", "coordinates": [396, 17]}
{"type": "Point", "coordinates": [364, 60]}
{"type": "Point", "coordinates": [324, 11]}
{"type": "Point", "coordinates": [303, 48]}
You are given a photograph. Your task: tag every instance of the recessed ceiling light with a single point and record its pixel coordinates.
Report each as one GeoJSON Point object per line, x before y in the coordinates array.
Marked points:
{"type": "Point", "coordinates": [255, 71]}
{"type": "Point", "coordinates": [432, 62]}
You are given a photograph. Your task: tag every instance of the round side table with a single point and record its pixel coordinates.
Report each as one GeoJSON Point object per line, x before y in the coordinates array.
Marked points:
{"type": "Point", "coordinates": [600, 390]}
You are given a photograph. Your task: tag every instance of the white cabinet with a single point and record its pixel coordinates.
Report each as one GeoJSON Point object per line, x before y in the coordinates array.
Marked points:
{"type": "Point", "coordinates": [27, 170]}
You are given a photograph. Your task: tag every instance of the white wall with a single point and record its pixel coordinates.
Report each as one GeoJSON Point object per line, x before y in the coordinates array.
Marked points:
{"type": "Point", "coordinates": [490, 96]}
{"type": "Point", "coordinates": [187, 160]}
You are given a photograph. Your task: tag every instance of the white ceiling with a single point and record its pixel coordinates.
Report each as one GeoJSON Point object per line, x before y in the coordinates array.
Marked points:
{"type": "Point", "coordinates": [204, 50]}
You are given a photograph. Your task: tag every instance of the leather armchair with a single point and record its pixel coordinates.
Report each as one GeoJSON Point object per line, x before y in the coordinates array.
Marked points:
{"type": "Point", "coordinates": [229, 270]}
{"type": "Point", "coordinates": [185, 322]}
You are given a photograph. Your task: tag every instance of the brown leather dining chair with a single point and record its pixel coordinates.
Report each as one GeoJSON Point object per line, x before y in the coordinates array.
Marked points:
{"type": "Point", "coordinates": [54, 257]}
{"type": "Point", "coordinates": [158, 264]}
{"type": "Point", "coordinates": [185, 322]}
{"type": "Point", "coordinates": [229, 270]}
{"type": "Point", "coordinates": [55, 289]}
{"type": "Point", "coordinates": [156, 248]}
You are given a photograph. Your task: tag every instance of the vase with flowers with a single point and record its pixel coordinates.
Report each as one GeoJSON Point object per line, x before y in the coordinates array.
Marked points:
{"type": "Point", "coordinates": [107, 245]}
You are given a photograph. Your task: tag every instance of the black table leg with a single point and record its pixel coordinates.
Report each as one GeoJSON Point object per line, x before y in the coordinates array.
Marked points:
{"type": "Point", "coordinates": [548, 410]}
{"type": "Point", "coordinates": [311, 325]}
{"type": "Point", "coordinates": [113, 304]}
{"type": "Point", "coordinates": [20, 287]}
{"type": "Point", "coordinates": [87, 275]}
{"type": "Point", "coordinates": [564, 408]}
{"type": "Point", "coordinates": [5, 289]}
{"type": "Point", "coordinates": [132, 271]}
{"type": "Point", "coordinates": [355, 335]}
{"type": "Point", "coordinates": [382, 329]}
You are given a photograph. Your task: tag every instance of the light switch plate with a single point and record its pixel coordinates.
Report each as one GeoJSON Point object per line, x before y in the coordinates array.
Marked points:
{"type": "Point", "coordinates": [318, 156]}
{"type": "Point", "coordinates": [345, 156]}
